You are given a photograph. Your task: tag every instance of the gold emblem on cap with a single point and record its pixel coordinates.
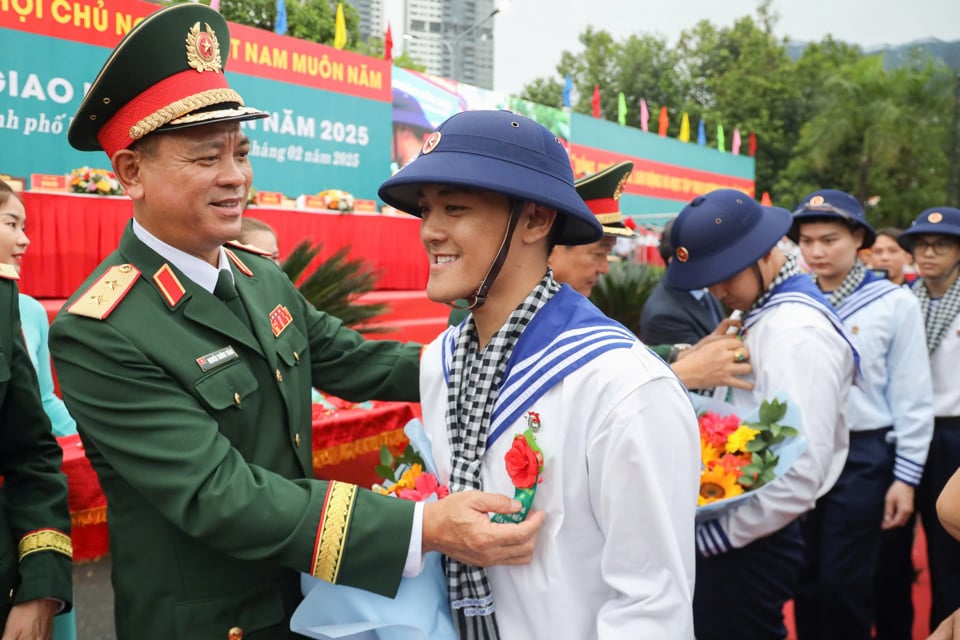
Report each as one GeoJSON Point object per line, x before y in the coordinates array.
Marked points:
{"type": "Point", "coordinates": [682, 254]}
{"type": "Point", "coordinates": [935, 217]}
{"type": "Point", "coordinates": [203, 49]}
{"type": "Point", "coordinates": [816, 200]}
{"type": "Point", "coordinates": [431, 142]}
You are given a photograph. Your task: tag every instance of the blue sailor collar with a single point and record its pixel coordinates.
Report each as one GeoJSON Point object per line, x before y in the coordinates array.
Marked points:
{"type": "Point", "coordinates": [566, 334]}
{"type": "Point", "coordinates": [871, 288]}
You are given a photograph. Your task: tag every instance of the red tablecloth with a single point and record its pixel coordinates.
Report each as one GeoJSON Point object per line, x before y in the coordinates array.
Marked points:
{"type": "Point", "coordinates": [346, 446]}
{"type": "Point", "coordinates": [71, 234]}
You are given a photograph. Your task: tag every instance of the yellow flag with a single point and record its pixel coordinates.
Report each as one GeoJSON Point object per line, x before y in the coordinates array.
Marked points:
{"type": "Point", "coordinates": [340, 34]}
{"type": "Point", "coordinates": [684, 128]}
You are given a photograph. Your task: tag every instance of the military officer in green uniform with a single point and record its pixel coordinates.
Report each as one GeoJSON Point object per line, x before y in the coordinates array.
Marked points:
{"type": "Point", "coordinates": [35, 550]}
{"type": "Point", "coordinates": [188, 366]}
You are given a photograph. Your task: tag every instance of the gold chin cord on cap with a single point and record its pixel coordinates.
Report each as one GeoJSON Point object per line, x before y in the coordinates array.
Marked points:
{"type": "Point", "coordinates": [477, 299]}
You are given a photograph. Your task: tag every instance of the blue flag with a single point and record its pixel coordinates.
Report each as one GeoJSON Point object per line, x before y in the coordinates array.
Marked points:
{"type": "Point", "coordinates": [567, 88]}
{"type": "Point", "coordinates": [701, 134]}
{"type": "Point", "coordinates": [281, 22]}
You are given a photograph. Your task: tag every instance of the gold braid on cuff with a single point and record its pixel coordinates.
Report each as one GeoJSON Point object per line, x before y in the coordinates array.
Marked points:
{"type": "Point", "coordinates": [45, 540]}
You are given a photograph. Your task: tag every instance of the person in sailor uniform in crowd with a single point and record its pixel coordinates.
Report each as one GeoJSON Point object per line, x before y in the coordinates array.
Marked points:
{"type": "Point", "coordinates": [890, 419]}
{"type": "Point", "coordinates": [618, 434]}
{"type": "Point", "coordinates": [934, 241]}
{"type": "Point", "coordinates": [749, 558]}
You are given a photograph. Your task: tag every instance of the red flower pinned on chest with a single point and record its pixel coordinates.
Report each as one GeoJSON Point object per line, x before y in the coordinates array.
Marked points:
{"type": "Point", "coordinates": [524, 463]}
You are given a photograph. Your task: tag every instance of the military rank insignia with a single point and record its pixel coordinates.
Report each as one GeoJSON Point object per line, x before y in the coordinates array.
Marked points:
{"type": "Point", "coordinates": [280, 318]}
{"type": "Point", "coordinates": [106, 293]}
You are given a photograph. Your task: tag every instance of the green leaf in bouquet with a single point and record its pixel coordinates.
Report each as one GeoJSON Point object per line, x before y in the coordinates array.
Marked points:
{"type": "Point", "coordinates": [772, 411]}
{"type": "Point", "coordinates": [757, 444]}
{"type": "Point", "coordinates": [386, 457]}
{"type": "Point", "coordinates": [788, 432]}
{"type": "Point", "coordinates": [385, 472]}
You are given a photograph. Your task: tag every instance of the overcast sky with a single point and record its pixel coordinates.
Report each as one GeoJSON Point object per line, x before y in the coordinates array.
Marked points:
{"type": "Point", "coordinates": [531, 34]}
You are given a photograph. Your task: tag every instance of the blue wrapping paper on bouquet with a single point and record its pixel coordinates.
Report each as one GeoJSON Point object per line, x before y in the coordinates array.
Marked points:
{"type": "Point", "coordinates": [787, 451]}
{"type": "Point", "coordinates": [420, 610]}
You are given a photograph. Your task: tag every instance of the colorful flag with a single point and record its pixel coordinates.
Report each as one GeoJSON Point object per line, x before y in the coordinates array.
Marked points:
{"type": "Point", "coordinates": [388, 43]}
{"type": "Point", "coordinates": [721, 141]}
{"type": "Point", "coordinates": [567, 89]}
{"type": "Point", "coordinates": [215, 5]}
{"type": "Point", "coordinates": [765, 199]}
{"type": "Point", "coordinates": [644, 115]}
{"type": "Point", "coordinates": [736, 142]}
{"type": "Point", "coordinates": [701, 134]}
{"type": "Point", "coordinates": [622, 109]}
{"type": "Point", "coordinates": [280, 25]}
{"type": "Point", "coordinates": [664, 122]}
{"type": "Point", "coordinates": [340, 30]}
{"type": "Point", "coordinates": [595, 101]}
{"type": "Point", "coordinates": [752, 145]}
{"type": "Point", "coordinates": [684, 128]}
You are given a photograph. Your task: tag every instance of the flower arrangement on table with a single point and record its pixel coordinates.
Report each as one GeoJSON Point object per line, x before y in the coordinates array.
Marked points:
{"type": "Point", "coordinates": [741, 455]}
{"type": "Point", "coordinates": [420, 610]}
{"type": "Point", "coordinates": [336, 200]}
{"type": "Point", "coordinates": [95, 182]}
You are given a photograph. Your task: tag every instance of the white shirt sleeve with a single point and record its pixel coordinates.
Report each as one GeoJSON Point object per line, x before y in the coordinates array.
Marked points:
{"type": "Point", "coordinates": [414, 563]}
{"type": "Point", "coordinates": [644, 468]}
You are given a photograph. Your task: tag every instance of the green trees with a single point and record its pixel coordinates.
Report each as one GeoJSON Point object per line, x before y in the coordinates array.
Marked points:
{"type": "Point", "coordinates": [832, 117]}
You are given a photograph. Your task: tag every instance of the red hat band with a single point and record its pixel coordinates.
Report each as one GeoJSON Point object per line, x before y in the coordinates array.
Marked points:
{"type": "Point", "coordinates": [165, 101]}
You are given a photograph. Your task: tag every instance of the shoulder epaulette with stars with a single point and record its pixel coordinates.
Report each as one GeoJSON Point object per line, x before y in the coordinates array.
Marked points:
{"type": "Point", "coordinates": [9, 272]}
{"type": "Point", "coordinates": [106, 293]}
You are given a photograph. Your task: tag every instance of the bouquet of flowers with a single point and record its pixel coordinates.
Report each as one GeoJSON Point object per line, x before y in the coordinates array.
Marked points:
{"type": "Point", "coordinates": [741, 455]}
{"type": "Point", "coordinates": [94, 182]}
{"type": "Point", "coordinates": [337, 200]}
{"type": "Point", "coordinates": [420, 610]}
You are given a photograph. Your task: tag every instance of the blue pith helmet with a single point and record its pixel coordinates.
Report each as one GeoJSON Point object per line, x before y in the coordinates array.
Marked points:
{"type": "Point", "coordinates": [832, 204]}
{"type": "Point", "coordinates": [942, 221]}
{"type": "Point", "coordinates": [502, 152]}
{"type": "Point", "coordinates": [720, 234]}
{"type": "Point", "coordinates": [407, 110]}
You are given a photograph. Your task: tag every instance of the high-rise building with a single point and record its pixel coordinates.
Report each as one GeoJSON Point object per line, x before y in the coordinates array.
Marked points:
{"type": "Point", "coordinates": [452, 38]}
{"type": "Point", "coordinates": [371, 17]}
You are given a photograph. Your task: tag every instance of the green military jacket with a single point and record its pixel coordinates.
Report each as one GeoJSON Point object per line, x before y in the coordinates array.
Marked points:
{"type": "Point", "coordinates": [35, 551]}
{"type": "Point", "coordinates": [200, 431]}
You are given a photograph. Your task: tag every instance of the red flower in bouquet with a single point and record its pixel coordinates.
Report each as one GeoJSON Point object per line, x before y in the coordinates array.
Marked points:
{"type": "Point", "coordinates": [524, 462]}
{"type": "Point", "coordinates": [715, 429]}
{"type": "Point", "coordinates": [424, 486]}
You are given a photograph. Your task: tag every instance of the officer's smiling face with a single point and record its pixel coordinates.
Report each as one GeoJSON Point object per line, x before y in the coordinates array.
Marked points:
{"type": "Point", "coordinates": [461, 231]}
{"type": "Point", "coordinates": [190, 186]}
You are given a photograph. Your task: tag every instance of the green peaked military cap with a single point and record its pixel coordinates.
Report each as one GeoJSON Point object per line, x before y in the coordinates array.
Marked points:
{"type": "Point", "coordinates": [166, 73]}
{"type": "Point", "coordinates": [601, 192]}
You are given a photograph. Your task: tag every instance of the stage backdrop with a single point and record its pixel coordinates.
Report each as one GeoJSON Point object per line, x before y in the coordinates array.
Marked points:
{"type": "Point", "coordinates": [338, 119]}
{"type": "Point", "coordinates": [330, 110]}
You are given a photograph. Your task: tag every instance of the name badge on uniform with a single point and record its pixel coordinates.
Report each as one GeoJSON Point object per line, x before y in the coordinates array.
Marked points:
{"type": "Point", "coordinates": [280, 318]}
{"type": "Point", "coordinates": [217, 358]}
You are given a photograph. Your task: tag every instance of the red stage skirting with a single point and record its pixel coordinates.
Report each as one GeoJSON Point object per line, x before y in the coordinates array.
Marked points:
{"type": "Point", "coordinates": [71, 234]}
{"type": "Point", "coordinates": [346, 446]}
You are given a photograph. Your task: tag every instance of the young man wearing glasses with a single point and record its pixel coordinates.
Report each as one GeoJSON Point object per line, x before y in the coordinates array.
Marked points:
{"type": "Point", "coordinates": [934, 241]}
{"type": "Point", "coordinates": [890, 416]}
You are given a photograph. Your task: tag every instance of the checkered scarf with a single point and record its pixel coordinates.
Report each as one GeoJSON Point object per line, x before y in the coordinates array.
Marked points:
{"type": "Point", "coordinates": [789, 269]}
{"type": "Point", "coordinates": [853, 280]}
{"type": "Point", "coordinates": [937, 316]}
{"type": "Point", "coordinates": [472, 390]}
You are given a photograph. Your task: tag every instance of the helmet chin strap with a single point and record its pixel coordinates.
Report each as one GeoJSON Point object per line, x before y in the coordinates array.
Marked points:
{"type": "Point", "coordinates": [476, 300]}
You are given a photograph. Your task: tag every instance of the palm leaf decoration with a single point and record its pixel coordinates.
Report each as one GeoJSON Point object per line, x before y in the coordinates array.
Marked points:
{"type": "Point", "coordinates": [622, 293]}
{"type": "Point", "coordinates": [335, 285]}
